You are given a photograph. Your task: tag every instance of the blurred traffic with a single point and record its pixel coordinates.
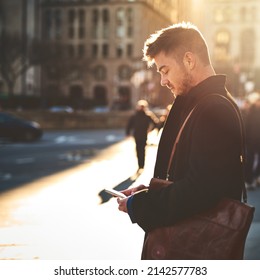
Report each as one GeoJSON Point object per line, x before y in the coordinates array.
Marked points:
{"type": "Point", "coordinates": [58, 109]}
{"type": "Point", "coordinates": [17, 129]}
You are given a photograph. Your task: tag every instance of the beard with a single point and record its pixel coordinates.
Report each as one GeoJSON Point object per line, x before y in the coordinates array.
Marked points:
{"type": "Point", "coordinates": [185, 85]}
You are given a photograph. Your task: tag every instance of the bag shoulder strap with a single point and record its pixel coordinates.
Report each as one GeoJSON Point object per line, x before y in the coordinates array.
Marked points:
{"type": "Point", "coordinates": [176, 141]}
{"type": "Point", "coordinates": [242, 156]}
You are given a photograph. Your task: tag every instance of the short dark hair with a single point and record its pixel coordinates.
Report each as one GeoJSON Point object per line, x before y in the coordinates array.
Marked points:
{"type": "Point", "coordinates": [176, 39]}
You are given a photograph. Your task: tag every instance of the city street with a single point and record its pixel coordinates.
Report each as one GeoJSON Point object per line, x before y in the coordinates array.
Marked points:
{"type": "Point", "coordinates": [66, 215]}
{"type": "Point", "coordinates": [57, 151]}
{"type": "Point", "coordinates": [61, 216]}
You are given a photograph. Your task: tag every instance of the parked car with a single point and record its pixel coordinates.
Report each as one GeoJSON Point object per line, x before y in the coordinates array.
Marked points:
{"type": "Point", "coordinates": [58, 109]}
{"type": "Point", "coordinates": [18, 129]}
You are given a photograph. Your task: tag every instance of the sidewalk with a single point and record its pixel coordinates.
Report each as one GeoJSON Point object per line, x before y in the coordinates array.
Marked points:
{"type": "Point", "coordinates": [63, 217]}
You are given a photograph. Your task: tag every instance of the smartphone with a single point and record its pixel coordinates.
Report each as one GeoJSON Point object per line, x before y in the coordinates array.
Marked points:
{"type": "Point", "coordinates": [115, 193]}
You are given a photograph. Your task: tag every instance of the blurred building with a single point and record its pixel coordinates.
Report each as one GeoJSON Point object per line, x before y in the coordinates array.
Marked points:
{"type": "Point", "coordinates": [97, 46]}
{"type": "Point", "coordinates": [105, 40]}
{"type": "Point", "coordinates": [20, 19]}
{"type": "Point", "coordinates": [232, 31]}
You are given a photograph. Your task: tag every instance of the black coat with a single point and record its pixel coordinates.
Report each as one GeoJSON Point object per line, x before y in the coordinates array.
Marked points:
{"type": "Point", "coordinates": [206, 165]}
{"type": "Point", "coordinates": [139, 124]}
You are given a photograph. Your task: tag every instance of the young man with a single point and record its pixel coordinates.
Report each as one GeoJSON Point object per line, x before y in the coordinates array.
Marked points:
{"type": "Point", "coordinates": [207, 162]}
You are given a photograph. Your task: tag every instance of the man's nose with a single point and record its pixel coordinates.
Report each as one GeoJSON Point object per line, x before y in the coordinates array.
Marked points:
{"type": "Point", "coordinates": [164, 82]}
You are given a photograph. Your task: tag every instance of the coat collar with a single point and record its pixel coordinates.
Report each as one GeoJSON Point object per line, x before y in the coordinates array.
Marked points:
{"type": "Point", "coordinates": [183, 104]}
{"type": "Point", "coordinates": [212, 85]}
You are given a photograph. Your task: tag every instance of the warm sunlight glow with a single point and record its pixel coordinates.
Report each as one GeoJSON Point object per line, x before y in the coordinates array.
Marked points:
{"type": "Point", "coordinates": [60, 216]}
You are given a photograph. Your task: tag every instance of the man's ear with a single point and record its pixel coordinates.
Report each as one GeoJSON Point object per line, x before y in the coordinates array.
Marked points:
{"type": "Point", "coordinates": [189, 60]}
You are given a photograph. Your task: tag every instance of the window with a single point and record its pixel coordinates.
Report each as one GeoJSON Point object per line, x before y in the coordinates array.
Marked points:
{"type": "Point", "coordinates": [58, 24]}
{"type": "Point", "coordinates": [71, 21]}
{"type": "Point", "coordinates": [95, 16]}
{"type": "Point", "coordinates": [129, 50]}
{"type": "Point", "coordinates": [105, 17]}
{"type": "Point", "coordinates": [72, 17]}
{"type": "Point", "coordinates": [81, 17]}
{"type": "Point", "coordinates": [130, 17]}
{"type": "Point", "coordinates": [81, 24]}
{"type": "Point", "coordinates": [222, 45]}
{"type": "Point", "coordinates": [130, 31]}
{"type": "Point", "coordinates": [105, 50]}
{"type": "Point", "coordinates": [120, 28]}
{"type": "Point", "coordinates": [119, 51]}
{"type": "Point", "coordinates": [94, 50]}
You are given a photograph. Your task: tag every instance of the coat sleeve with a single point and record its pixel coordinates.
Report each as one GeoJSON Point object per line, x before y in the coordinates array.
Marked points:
{"type": "Point", "coordinates": [207, 167]}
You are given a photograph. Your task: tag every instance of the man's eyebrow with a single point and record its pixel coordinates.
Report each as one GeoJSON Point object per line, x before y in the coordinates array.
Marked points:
{"type": "Point", "coordinates": [160, 68]}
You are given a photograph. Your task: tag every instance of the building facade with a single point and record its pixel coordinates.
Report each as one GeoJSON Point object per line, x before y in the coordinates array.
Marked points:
{"type": "Point", "coordinates": [231, 28]}
{"type": "Point", "coordinates": [20, 19]}
{"type": "Point", "coordinates": [102, 43]}
{"type": "Point", "coordinates": [105, 40]}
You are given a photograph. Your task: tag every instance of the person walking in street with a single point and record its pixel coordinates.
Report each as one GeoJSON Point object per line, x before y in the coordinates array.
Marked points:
{"type": "Point", "coordinates": [139, 125]}
{"type": "Point", "coordinates": [207, 164]}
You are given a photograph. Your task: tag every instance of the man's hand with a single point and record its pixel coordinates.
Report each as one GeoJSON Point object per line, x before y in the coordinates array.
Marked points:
{"type": "Point", "coordinates": [133, 190]}
{"type": "Point", "coordinates": [122, 202]}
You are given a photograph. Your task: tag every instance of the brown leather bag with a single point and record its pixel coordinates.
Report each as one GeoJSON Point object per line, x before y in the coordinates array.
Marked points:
{"type": "Point", "coordinates": [216, 234]}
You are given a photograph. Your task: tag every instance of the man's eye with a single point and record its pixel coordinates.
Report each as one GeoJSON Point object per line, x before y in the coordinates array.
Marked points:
{"type": "Point", "coordinates": [165, 72]}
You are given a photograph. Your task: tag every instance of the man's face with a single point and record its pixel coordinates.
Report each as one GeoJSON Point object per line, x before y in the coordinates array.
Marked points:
{"type": "Point", "coordinates": [173, 75]}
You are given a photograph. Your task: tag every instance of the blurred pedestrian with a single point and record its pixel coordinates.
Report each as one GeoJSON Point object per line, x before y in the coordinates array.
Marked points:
{"type": "Point", "coordinates": [252, 126]}
{"type": "Point", "coordinates": [139, 125]}
{"type": "Point", "coordinates": [207, 165]}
